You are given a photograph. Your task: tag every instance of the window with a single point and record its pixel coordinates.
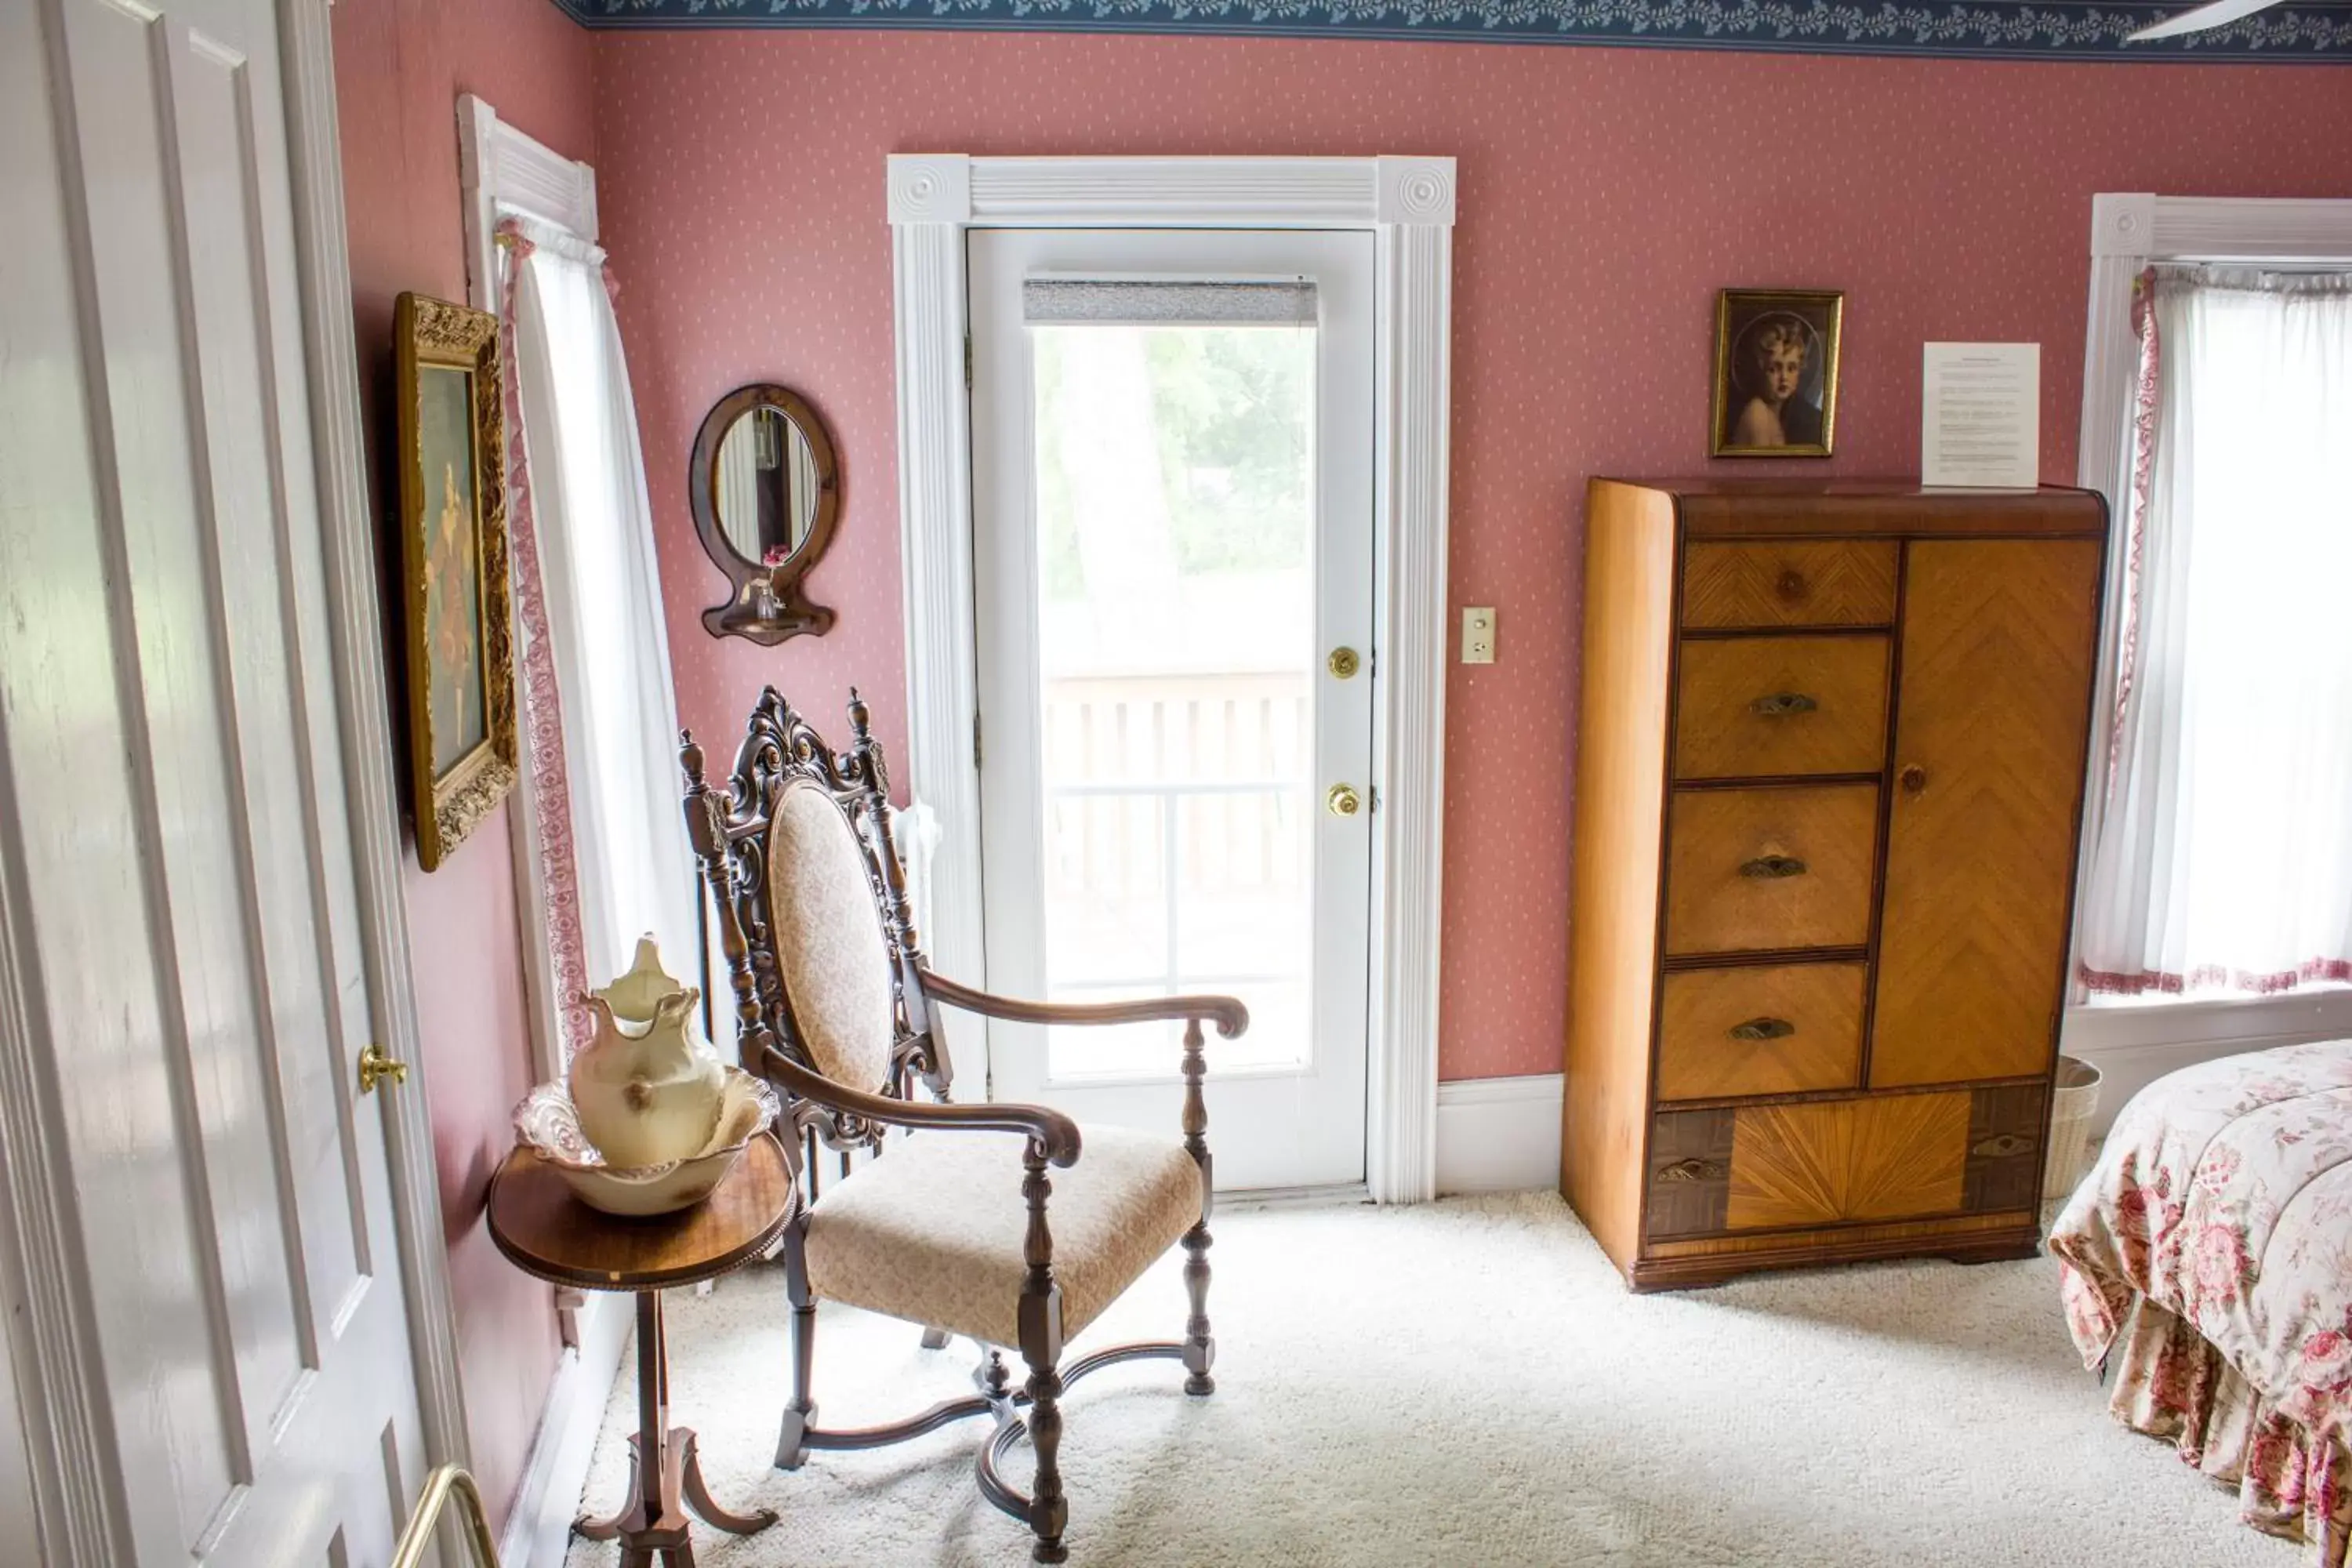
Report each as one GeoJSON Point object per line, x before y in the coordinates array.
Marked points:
{"type": "Point", "coordinates": [2222, 858]}
{"type": "Point", "coordinates": [601, 852]}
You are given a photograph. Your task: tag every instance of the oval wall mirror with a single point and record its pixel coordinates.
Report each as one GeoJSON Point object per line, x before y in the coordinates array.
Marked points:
{"type": "Point", "coordinates": [766, 493]}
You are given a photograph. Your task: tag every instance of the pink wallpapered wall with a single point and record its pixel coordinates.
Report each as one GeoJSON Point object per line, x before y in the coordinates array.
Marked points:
{"type": "Point", "coordinates": [400, 65]}
{"type": "Point", "coordinates": [1605, 195]}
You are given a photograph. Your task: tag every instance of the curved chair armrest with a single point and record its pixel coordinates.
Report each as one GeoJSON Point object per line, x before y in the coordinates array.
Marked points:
{"type": "Point", "coordinates": [1050, 1130]}
{"type": "Point", "coordinates": [1226, 1012]}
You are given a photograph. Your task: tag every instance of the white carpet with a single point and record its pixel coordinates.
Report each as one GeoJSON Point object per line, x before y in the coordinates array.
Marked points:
{"type": "Point", "coordinates": [1467, 1383]}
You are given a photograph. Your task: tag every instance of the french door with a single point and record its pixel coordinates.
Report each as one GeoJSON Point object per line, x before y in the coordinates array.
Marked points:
{"type": "Point", "coordinates": [175, 831]}
{"type": "Point", "coordinates": [1173, 493]}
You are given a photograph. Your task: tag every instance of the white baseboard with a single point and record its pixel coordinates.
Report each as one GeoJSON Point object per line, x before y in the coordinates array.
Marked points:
{"type": "Point", "coordinates": [1499, 1134]}
{"type": "Point", "coordinates": [539, 1526]}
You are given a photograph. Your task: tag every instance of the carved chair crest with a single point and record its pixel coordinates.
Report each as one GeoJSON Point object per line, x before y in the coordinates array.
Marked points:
{"type": "Point", "coordinates": [764, 833]}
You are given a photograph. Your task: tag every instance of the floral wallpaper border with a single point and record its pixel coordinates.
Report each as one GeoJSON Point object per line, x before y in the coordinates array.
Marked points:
{"type": "Point", "coordinates": [1972, 29]}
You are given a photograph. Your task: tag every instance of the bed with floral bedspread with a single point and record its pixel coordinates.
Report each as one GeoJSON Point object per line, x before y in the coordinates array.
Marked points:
{"type": "Point", "coordinates": [2207, 1260]}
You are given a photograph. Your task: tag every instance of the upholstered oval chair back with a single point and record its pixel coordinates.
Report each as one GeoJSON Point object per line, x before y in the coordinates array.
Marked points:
{"type": "Point", "coordinates": [831, 952]}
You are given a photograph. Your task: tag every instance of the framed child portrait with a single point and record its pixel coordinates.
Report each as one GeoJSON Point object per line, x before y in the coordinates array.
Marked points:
{"type": "Point", "coordinates": [1776, 372]}
{"type": "Point", "coordinates": [453, 549]}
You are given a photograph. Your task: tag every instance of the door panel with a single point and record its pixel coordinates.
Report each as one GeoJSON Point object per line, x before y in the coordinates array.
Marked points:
{"type": "Point", "coordinates": [1997, 645]}
{"type": "Point", "coordinates": [174, 797]}
{"type": "Point", "coordinates": [1172, 533]}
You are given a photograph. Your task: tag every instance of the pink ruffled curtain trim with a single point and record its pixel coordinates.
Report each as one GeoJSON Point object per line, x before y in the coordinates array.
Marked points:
{"type": "Point", "coordinates": [551, 781]}
{"type": "Point", "coordinates": [2144, 427]}
{"type": "Point", "coordinates": [2213, 977]}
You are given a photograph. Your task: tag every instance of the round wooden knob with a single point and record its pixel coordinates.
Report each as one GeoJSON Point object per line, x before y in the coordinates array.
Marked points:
{"type": "Point", "coordinates": [1913, 779]}
{"type": "Point", "coordinates": [1792, 584]}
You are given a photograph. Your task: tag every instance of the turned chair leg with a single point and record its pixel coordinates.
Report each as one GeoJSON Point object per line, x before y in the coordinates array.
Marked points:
{"type": "Point", "coordinates": [1041, 1347]}
{"type": "Point", "coordinates": [1200, 1350]}
{"type": "Point", "coordinates": [792, 1442]}
{"type": "Point", "coordinates": [1049, 1510]}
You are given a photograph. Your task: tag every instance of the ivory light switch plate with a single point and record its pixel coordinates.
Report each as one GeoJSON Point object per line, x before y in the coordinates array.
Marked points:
{"type": "Point", "coordinates": [1478, 636]}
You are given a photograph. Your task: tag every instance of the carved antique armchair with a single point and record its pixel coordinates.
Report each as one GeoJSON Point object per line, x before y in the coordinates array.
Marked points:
{"type": "Point", "coordinates": [956, 1226]}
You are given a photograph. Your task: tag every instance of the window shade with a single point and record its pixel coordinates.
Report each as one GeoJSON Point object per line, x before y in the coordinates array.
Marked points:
{"type": "Point", "coordinates": [1168, 302]}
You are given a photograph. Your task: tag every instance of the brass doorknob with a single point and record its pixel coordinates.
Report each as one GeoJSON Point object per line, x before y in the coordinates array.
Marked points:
{"type": "Point", "coordinates": [1344, 801]}
{"type": "Point", "coordinates": [377, 1067]}
{"type": "Point", "coordinates": [1344, 662]}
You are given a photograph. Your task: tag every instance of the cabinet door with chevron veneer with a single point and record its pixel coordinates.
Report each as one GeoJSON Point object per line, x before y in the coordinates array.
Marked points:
{"type": "Point", "coordinates": [1997, 658]}
{"type": "Point", "coordinates": [1828, 788]}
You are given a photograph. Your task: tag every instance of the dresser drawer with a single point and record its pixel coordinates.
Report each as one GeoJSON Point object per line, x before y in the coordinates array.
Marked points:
{"type": "Point", "coordinates": [1826, 1162]}
{"type": "Point", "coordinates": [1752, 707]}
{"type": "Point", "coordinates": [1777, 1029]}
{"type": "Point", "coordinates": [1798, 582]}
{"type": "Point", "coordinates": [1754, 870]}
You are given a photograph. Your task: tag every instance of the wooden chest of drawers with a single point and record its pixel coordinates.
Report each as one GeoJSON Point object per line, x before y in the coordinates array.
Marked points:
{"type": "Point", "coordinates": [1828, 785]}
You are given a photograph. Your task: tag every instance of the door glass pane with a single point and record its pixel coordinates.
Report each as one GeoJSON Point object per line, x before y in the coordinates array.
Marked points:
{"type": "Point", "coordinates": [1175, 486]}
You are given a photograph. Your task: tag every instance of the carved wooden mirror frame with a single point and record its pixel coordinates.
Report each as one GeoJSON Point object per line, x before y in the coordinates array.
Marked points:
{"type": "Point", "coordinates": [769, 603]}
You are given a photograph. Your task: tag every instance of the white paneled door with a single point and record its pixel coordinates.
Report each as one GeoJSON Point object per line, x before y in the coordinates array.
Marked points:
{"type": "Point", "coordinates": [173, 826]}
{"type": "Point", "coordinates": [1172, 493]}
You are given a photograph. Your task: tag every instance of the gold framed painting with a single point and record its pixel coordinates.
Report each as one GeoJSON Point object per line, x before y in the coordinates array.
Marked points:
{"type": "Point", "coordinates": [1776, 372]}
{"type": "Point", "coordinates": [453, 549]}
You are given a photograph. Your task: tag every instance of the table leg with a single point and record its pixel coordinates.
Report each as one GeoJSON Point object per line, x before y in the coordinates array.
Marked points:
{"type": "Point", "coordinates": [653, 1406]}
{"type": "Point", "coordinates": [697, 1492]}
{"type": "Point", "coordinates": [664, 1472]}
{"type": "Point", "coordinates": [611, 1525]}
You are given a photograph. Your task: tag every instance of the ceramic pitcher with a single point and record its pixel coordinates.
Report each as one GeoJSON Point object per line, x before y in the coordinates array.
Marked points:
{"type": "Point", "coordinates": [647, 1090]}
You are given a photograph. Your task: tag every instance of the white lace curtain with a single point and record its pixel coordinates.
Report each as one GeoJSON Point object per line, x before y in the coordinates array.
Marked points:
{"type": "Point", "coordinates": [622, 843]}
{"type": "Point", "coordinates": [2223, 859]}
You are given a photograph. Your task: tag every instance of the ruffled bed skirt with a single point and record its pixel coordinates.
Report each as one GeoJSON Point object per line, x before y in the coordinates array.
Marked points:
{"type": "Point", "coordinates": [2170, 1382]}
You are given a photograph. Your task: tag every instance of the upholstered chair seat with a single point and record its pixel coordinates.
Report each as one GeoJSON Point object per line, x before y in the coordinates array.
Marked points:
{"type": "Point", "coordinates": [925, 1232]}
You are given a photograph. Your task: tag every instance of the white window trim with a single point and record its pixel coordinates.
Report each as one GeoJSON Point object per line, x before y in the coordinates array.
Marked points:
{"type": "Point", "coordinates": [1407, 203]}
{"type": "Point", "coordinates": [2130, 231]}
{"type": "Point", "coordinates": [502, 172]}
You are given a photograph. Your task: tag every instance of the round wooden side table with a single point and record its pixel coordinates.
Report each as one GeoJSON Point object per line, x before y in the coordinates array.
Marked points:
{"type": "Point", "coordinates": [549, 1235]}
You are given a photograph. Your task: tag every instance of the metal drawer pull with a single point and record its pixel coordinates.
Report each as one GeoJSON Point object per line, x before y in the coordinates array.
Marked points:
{"type": "Point", "coordinates": [1783, 703]}
{"type": "Point", "coordinates": [1694, 1170]}
{"type": "Point", "coordinates": [1763, 1029]}
{"type": "Point", "coordinates": [1772, 866]}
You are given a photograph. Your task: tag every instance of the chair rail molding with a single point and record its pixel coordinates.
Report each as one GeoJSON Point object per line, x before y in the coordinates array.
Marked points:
{"type": "Point", "coordinates": [1407, 203]}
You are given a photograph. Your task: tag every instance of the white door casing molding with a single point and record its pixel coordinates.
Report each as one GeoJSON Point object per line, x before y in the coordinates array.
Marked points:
{"type": "Point", "coordinates": [1408, 205]}
{"type": "Point", "coordinates": [356, 633]}
{"type": "Point", "coordinates": [2129, 232]}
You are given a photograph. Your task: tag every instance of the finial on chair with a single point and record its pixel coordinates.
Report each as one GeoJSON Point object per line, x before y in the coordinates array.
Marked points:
{"type": "Point", "coordinates": [857, 714]}
{"type": "Point", "coordinates": [689, 757]}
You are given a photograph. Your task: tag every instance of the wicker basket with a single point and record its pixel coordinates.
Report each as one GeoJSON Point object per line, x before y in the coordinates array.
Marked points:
{"type": "Point", "coordinates": [2071, 1106]}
